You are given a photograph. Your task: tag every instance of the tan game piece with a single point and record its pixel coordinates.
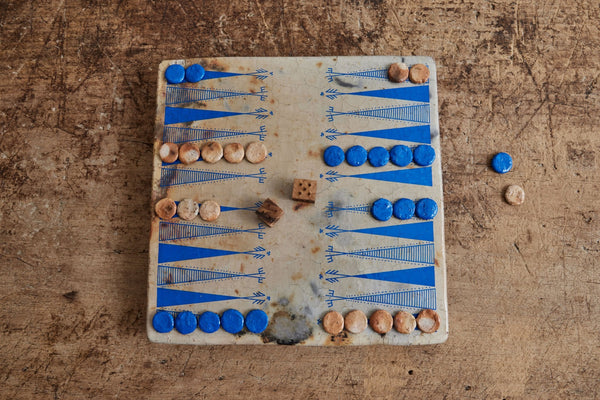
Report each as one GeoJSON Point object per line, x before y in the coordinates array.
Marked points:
{"type": "Point", "coordinates": [168, 152]}
{"type": "Point", "coordinates": [428, 321]}
{"type": "Point", "coordinates": [404, 322]}
{"type": "Point", "coordinates": [381, 321]}
{"type": "Point", "coordinates": [256, 152]}
{"type": "Point", "coordinates": [269, 212]}
{"type": "Point", "coordinates": [234, 153]}
{"type": "Point", "coordinates": [212, 152]}
{"type": "Point", "coordinates": [514, 195]}
{"type": "Point", "coordinates": [210, 210]}
{"type": "Point", "coordinates": [333, 322]}
{"type": "Point", "coordinates": [355, 321]}
{"type": "Point", "coordinates": [419, 73]}
{"type": "Point", "coordinates": [165, 208]}
{"type": "Point", "coordinates": [304, 190]}
{"type": "Point", "coordinates": [189, 153]}
{"type": "Point", "coordinates": [187, 209]}
{"type": "Point", "coordinates": [398, 72]}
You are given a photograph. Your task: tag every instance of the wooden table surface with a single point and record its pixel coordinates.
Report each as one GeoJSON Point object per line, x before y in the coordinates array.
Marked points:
{"type": "Point", "coordinates": [78, 95]}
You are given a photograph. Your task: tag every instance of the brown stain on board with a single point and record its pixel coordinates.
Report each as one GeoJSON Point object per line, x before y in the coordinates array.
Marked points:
{"type": "Point", "coordinates": [341, 339]}
{"type": "Point", "coordinates": [313, 154]}
{"type": "Point", "coordinates": [319, 64]}
{"type": "Point", "coordinates": [315, 250]}
{"type": "Point", "coordinates": [299, 206]}
{"type": "Point", "coordinates": [297, 276]}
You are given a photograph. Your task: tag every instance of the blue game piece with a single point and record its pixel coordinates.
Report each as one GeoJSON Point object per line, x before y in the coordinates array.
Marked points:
{"type": "Point", "coordinates": [163, 322]}
{"type": "Point", "coordinates": [426, 209]}
{"type": "Point", "coordinates": [175, 73]}
{"type": "Point", "coordinates": [232, 321]}
{"type": "Point", "coordinates": [424, 155]}
{"type": "Point", "coordinates": [209, 322]}
{"type": "Point", "coordinates": [382, 209]}
{"type": "Point", "coordinates": [257, 321]}
{"type": "Point", "coordinates": [502, 163]}
{"type": "Point", "coordinates": [404, 209]}
{"type": "Point", "coordinates": [194, 73]}
{"type": "Point", "coordinates": [378, 156]}
{"type": "Point", "coordinates": [356, 156]}
{"type": "Point", "coordinates": [186, 322]}
{"type": "Point", "coordinates": [401, 155]}
{"type": "Point", "coordinates": [333, 156]}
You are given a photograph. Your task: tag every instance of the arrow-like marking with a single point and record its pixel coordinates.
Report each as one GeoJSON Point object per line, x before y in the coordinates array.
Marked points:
{"type": "Point", "coordinates": [173, 297]}
{"type": "Point", "coordinates": [415, 231]}
{"type": "Point", "coordinates": [175, 115]}
{"type": "Point", "coordinates": [424, 276]}
{"type": "Point", "coordinates": [412, 93]}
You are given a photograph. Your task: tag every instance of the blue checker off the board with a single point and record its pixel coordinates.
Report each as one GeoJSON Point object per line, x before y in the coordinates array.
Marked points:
{"type": "Point", "coordinates": [502, 163]}
{"type": "Point", "coordinates": [404, 209]}
{"type": "Point", "coordinates": [257, 321]}
{"type": "Point", "coordinates": [163, 322]}
{"type": "Point", "coordinates": [186, 322]}
{"type": "Point", "coordinates": [356, 156]}
{"type": "Point", "coordinates": [194, 73]}
{"type": "Point", "coordinates": [382, 209]}
{"type": "Point", "coordinates": [175, 73]}
{"type": "Point", "coordinates": [209, 322]}
{"type": "Point", "coordinates": [378, 156]}
{"type": "Point", "coordinates": [424, 155]}
{"type": "Point", "coordinates": [232, 321]}
{"type": "Point", "coordinates": [426, 209]}
{"type": "Point", "coordinates": [401, 155]}
{"type": "Point", "coordinates": [333, 156]}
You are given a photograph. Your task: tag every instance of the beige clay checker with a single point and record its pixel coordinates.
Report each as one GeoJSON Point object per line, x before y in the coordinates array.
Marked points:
{"type": "Point", "coordinates": [233, 153]}
{"type": "Point", "coordinates": [298, 261]}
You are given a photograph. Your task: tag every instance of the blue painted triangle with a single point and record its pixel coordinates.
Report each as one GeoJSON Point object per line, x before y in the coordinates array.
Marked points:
{"type": "Point", "coordinates": [174, 115]}
{"type": "Point", "coordinates": [415, 176]}
{"type": "Point", "coordinates": [417, 276]}
{"type": "Point", "coordinates": [416, 231]}
{"type": "Point", "coordinates": [414, 93]}
{"type": "Point", "coordinates": [174, 252]}
{"type": "Point", "coordinates": [172, 297]}
{"type": "Point", "coordinates": [418, 134]}
{"type": "Point", "coordinates": [218, 74]}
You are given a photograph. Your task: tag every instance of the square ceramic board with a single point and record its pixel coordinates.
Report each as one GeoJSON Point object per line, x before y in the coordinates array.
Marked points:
{"type": "Point", "coordinates": [330, 255]}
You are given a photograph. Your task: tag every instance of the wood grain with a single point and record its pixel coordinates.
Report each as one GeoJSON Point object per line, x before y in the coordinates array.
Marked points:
{"type": "Point", "coordinates": [78, 83]}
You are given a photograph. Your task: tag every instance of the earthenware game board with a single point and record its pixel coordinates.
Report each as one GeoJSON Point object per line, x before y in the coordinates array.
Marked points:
{"type": "Point", "coordinates": [330, 255]}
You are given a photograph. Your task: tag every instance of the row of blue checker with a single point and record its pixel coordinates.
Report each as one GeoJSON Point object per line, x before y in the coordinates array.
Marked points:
{"type": "Point", "coordinates": [383, 209]}
{"type": "Point", "coordinates": [176, 73]}
{"type": "Point", "coordinates": [232, 321]}
{"type": "Point", "coordinates": [399, 155]}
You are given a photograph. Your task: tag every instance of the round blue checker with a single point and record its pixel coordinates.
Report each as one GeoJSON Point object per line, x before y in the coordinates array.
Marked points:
{"type": "Point", "coordinates": [209, 322]}
{"type": "Point", "coordinates": [163, 322]}
{"type": "Point", "coordinates": [257, 321]}
{"type": "Point", "coordinates": [401, 155]}
{"type": "Point", "coordinates": [404, 209]}
{"type": "Point", "coordinates": [194, 73]}
{"type": "Point", "coordinates": [232, 321]}
{"type": "Point", "coordinates": [333, 156]}
{"type": "Point", "coordinates": [426, 209]}
{"type": "Point", "coordinates": [382, 209]}
{"type": "Point", "coordinates": [378, 156]}
{"type": "Point", "coordinates": [502, 163]}
{"type": "Point", "coordinates": [424, 155]}
{"type": "Point", "coordinates": [175, 73]}
{"type": "Point", "coordinates": [185, 323]}
{"type": "Point", "coordinates": [356, 156]}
